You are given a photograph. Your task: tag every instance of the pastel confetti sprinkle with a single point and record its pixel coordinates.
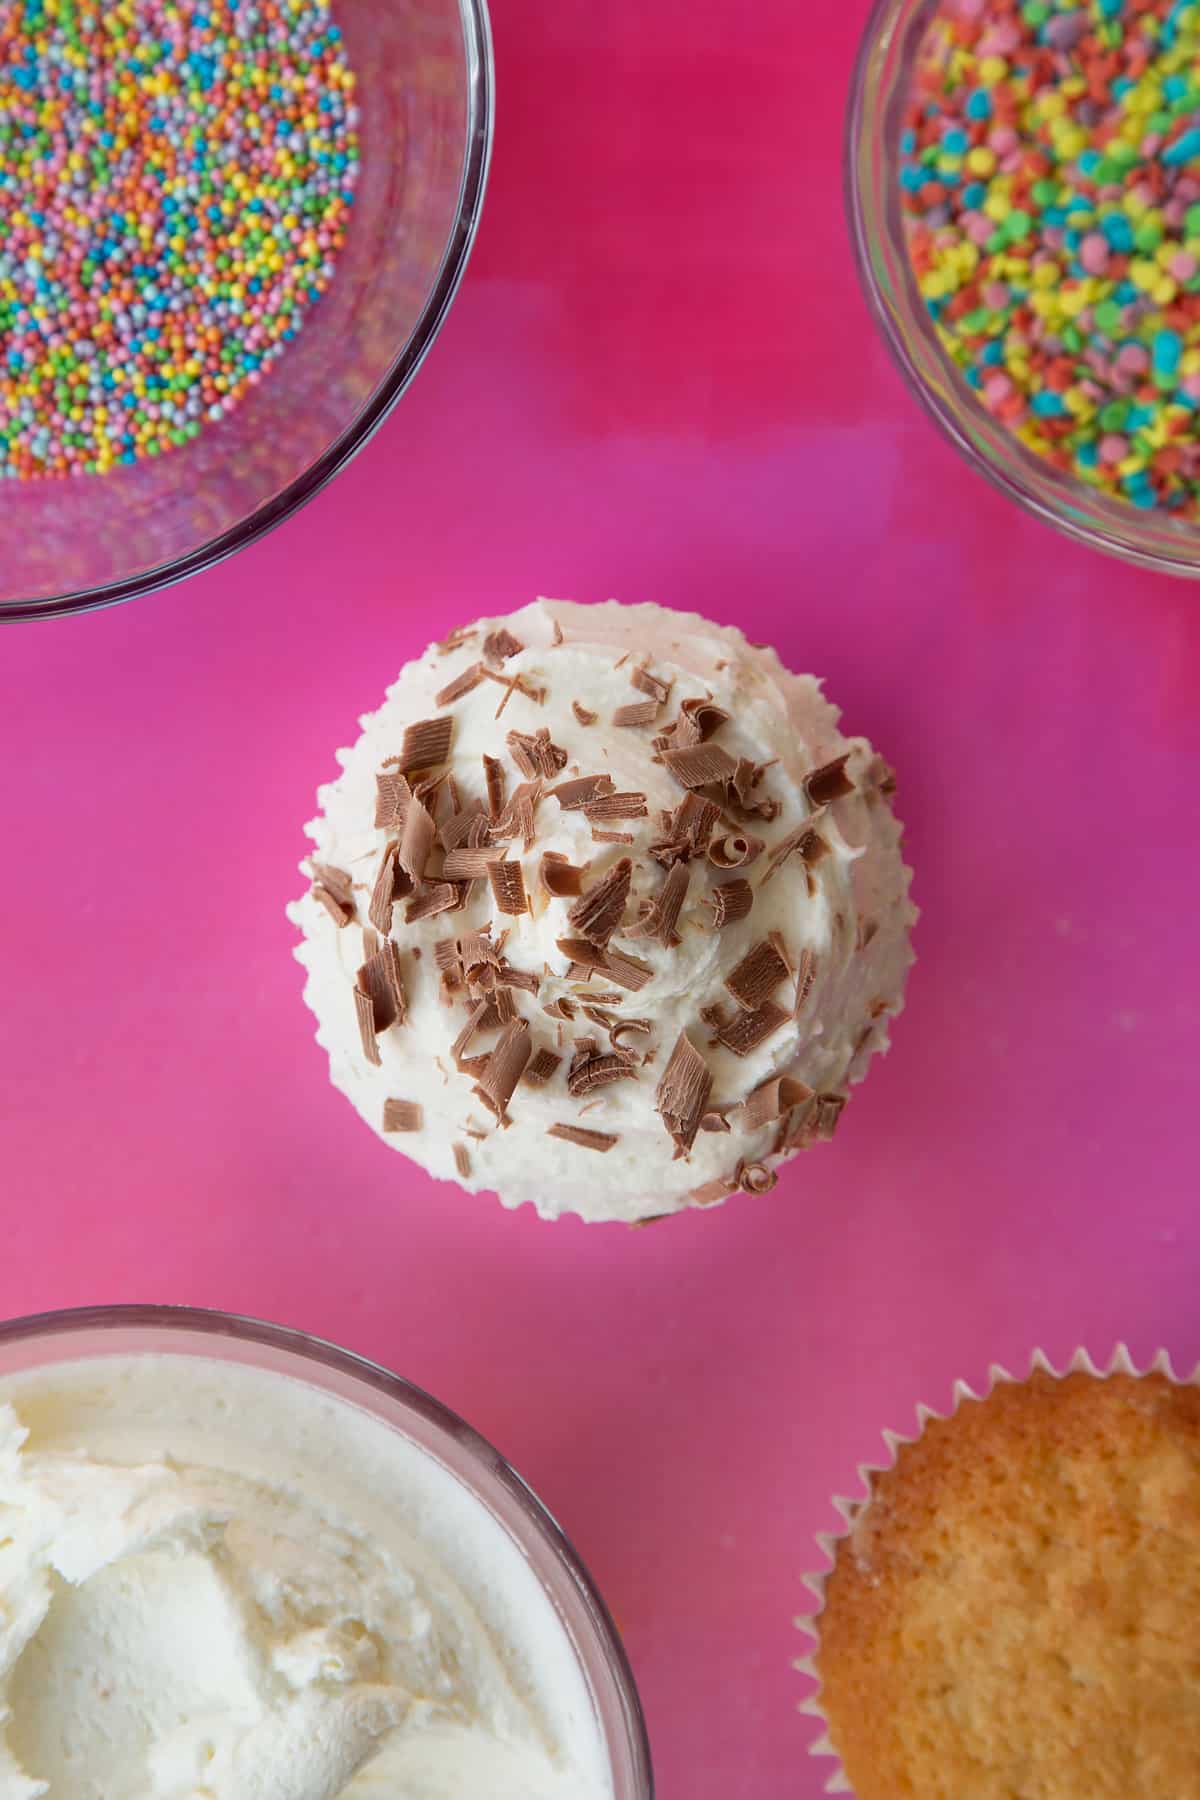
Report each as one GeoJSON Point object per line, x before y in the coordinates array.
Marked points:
{"type": "Point", "coordinates": [1049, 174]}
{"type": "Point", "coordinates": [175, 184]}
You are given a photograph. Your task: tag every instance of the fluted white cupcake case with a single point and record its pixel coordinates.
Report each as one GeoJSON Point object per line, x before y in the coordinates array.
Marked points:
{"type": "Point", "coordinates": [849, 1508]}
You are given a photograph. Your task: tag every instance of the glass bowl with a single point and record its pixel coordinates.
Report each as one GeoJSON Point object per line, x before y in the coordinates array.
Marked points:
{"type": "Point", "coordinates": [87, 1333]}
{"type": "Point", "coordinates": [880, 84]}
{"type": "Point", "coordinates": [425, 95]}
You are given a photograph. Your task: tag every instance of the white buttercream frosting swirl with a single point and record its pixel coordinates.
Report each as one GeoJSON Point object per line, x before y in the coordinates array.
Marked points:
{"type": "Point", "coordinates": [217, 1584]}
{"type": "Point", "coordinates": [849, 910]}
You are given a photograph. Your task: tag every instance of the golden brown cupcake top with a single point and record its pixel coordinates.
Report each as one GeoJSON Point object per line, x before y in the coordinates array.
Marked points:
{"type": "Point", "coordinates": [1015, 1613]}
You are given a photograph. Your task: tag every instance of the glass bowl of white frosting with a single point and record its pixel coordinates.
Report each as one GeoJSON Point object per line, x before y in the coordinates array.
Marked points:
{"type": "Point", "coordinates": [237, 1560]}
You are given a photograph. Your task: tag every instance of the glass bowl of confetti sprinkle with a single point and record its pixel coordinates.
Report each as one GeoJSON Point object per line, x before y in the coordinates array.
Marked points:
{"type": "Point", "coordinates": [230, 230]}
{"type": "Point", "coordinates": [1023, 187]}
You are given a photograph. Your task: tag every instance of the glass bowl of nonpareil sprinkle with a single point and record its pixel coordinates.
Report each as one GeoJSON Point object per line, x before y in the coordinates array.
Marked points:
{"type": "Point", "coordinates": [1023, 189]}
{"type": "Point", "coordinates": [229, 232]}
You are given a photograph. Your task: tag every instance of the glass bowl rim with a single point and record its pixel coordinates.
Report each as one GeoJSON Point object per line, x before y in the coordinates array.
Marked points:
{"type": "Point", "coordinates": [306, 1347]}
{"type": "Point", "coordinates": [477, 156]}
{"type": "Point", "coordinates": [1112, 541]}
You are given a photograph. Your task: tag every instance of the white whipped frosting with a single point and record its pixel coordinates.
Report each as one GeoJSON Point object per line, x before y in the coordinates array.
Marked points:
{"type": "Point", "coordinates": [854, 914]}
{"type": "Point", "coordinates": [219, 1583]}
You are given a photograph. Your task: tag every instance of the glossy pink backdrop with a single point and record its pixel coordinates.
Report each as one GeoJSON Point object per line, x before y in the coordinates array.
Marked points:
{"type": "Point", "coordinates": [659, 382]}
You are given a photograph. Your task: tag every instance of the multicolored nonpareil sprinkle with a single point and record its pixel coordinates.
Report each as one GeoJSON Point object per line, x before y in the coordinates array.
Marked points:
{"type": "Point", "coordinates": [175, 182]}
{"type": "Point", "coordinates": [1050, 174]}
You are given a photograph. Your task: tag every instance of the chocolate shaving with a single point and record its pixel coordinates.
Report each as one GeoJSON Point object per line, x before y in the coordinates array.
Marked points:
{"type": "Point", "coordinates": [333, 889]}
{"type": "Point", "coordinates": [714, 1015]}
{"type": "Point", "coordinates": [742, 780]}
{"type": "Point", "coordinates": [517, 819]}
{"type": "Point", "coordinates": [402, 1115]}
{"type": "Point", "coordinates": [498, 646]}
{"type": "Point", "coordinates": [747, 1030]}
{"type": "Point", "coordinates": [495, 781]}
{"type": "Point", "coordinates": [706, 715]}
{"type": "Point", "coordinates": [611, 837]}
{"type": "Point", "coordinates": [462, 684]}
{"type": "Point", "coordinates": [541, 1068]}
{"type": "Point", "coordinates": [804, 842]}
{"type": "Point", "coordinates": [561, 1008]}
{"type": "Point", "coordinates": [730, 901]}
{"type": "Point", "coordinates": [738, 790]}
{"type": "Point", "coordinates": [477, 1020]}
{"type": "Point", "coordinates": [598, 912]}
{"type": "Point", "coordinates": [628, 971]}
{"type": "Point", "coordinates": [426, 744]}
{"type": "Point", "coordinates": [881, 776]}
{"type": "Point", "coordinates": [380, 978]}
{"type": "Point", "coordinates": [829, 1110]}
{"type": "Point", "coordinates": [504, 1006]}
{"type": "Point", "coordinates": [557, 638]}
{"type": "Point", "coordinates": [515, 684]}
{"type": "Point", "coordinates": [584, 714]}
{"type": "Point", "coordinates": [682, 1094]}
{"type": "Point", "coordinates": [560, 877]}
{"type": "Point", "coordinates": [661, 914]}
{"type": "Point", "coordinates": [572, 795]}
{"type": "Point", "coordinates": [463, 827]}
{"type": "Point", "coordinates": [776, 938]}
{"type": "Point", "coordinates": [698, 720]}
{"type": "Point", "coordinates": [646, 683]}
{"type": "Point", "coordinates": [686, 830]}
{"type": "Point", "coordinates": [390, 885]}
{"type": "Point", "coordinates": [434, 897]}
{"type": "Point", "coordinates": [392, 799]}
{"type": "Point", "coordinates": [615, 806]}
{"type": "Point", "coordinates": [756, 1178]}
{"type": "Point", "coordinates": [771, 1101]}
{"type": "Point", "coordinates": [713, 1192]}
{"type": "Point", "coordinates": [505, 1067]}
{"type": "Point", "coordinates": [524, 979]}
{"type": "Point", "coordinates": [714, 1121]}
{"type": "Point", "coordinates": [595, 1070]}
{"type": "Point", "coordinates": [417, 832]}
{"type": "Point", "coordinates": [335, 881]}
{"type": "Point", "coordinates": [587, 1140]}
{"type": "Point", "coordinates": [462, 1160]}
{"type": "Point", "coordinates": [508, 887]}
{"type": "Point", "coordinates": [464, 958]}
{"type": "Point", "coordinates": [736, 850]}
{"type": "Point", "coordinates": [583, 952]}
{"type": "Point", "coordinates": [828, 783]}
{"type": "Point", "coordinates": [470, 864]}
{"type": "Point", "coordinates": [428, 788]}
{"type": "Point", "coordinates": [535, 754]}
{"type": "Point", "coordinates": [757, 975]}
{"type": "Point", "coordinates": [699, 764]}
{"type": "Point", "coordinates": [638, 712]}
{"type": "Point", "coordinates": [462, 634]}
{"type": "Point", "coordinates": [617, 1030]}
{"type": "Point", "coordinates": [366, 1026]}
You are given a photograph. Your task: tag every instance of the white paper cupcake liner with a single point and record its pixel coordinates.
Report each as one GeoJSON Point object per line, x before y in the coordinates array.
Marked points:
{"type": "Point", "coordinates": [848, 1508]}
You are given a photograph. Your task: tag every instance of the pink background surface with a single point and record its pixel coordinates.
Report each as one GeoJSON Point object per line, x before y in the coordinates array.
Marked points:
{"type": "Point", "coordinates": [659, 382]}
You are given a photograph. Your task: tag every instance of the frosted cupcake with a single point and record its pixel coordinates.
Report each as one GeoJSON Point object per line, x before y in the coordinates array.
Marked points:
{"type": "Point", "coordinates": [1015, 1607]}
{"type": "Point", "coordinates": [605, 913]}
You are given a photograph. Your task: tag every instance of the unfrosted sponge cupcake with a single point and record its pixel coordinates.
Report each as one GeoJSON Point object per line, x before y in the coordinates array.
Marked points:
{"type": "Point", "coordinates": [1015, 1609]}
{"type": "Point", "coordinates": [605, 914]}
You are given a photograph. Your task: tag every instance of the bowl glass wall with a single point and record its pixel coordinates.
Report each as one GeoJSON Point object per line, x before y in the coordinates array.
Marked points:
{"type": "Point", "coordinates": [425, 97]}
{"type": "Point", "coordinates": [41, 1341]}
{"type": "Point", "coordinates": [881, 83]}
